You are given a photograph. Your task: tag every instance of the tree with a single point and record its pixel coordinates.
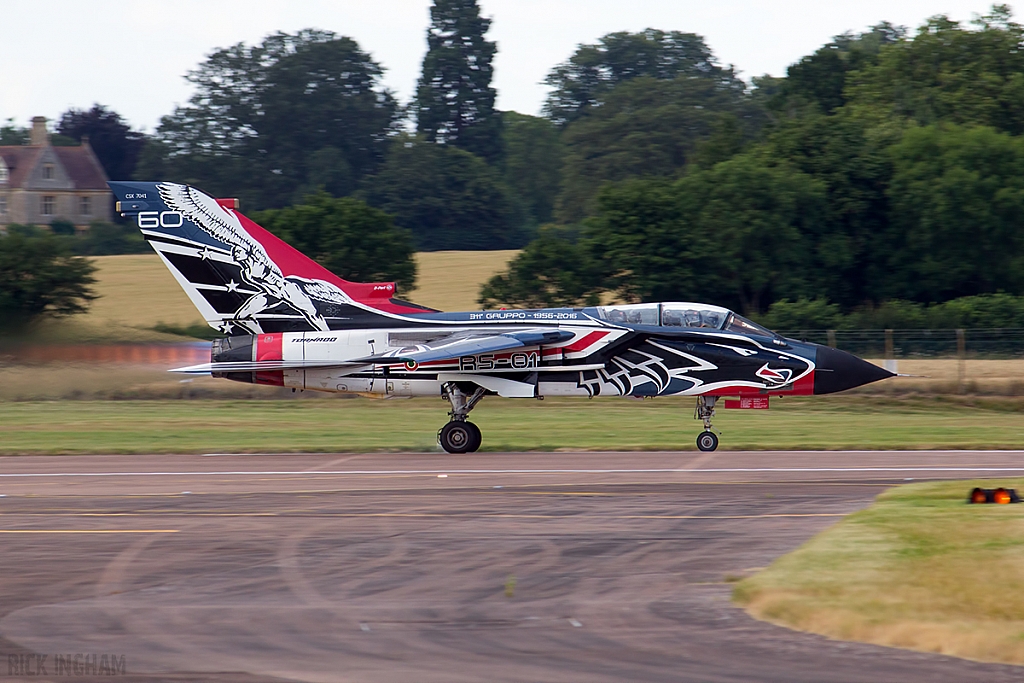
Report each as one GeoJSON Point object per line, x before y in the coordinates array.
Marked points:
{"type": "Point", "coordinates": [761, 214]}
{"type": "Point", "coordinates": [533, 163]}
{"type": "Point", "coordinates": [39, 277]}
{"type": "Point", "coordinates": [454, 98]}
{"type": "Point", "coordinates": [736, 234]}
{"type": "Point", "coordinates": [848, 246]}
{"type": "Point", "coordinates": [648, 244]}
{"type": "Point", "coordinates": [582, 82]}
{"type": "Point", "coordinates": [957, 198]}
{"type": "Point", "coordinates": [349, 238]}
{"type": "Point", "coordinates": [113, 141]}
{"type": "Point", "coordinates": [103, 239]}
{"type": "Point", "coordinates": [11, 134]}
{"type": "Point", "coordinates": [820, 79]}
{"type": "Point", "coordinates": [447, 197]}
{"type": "Point", "coordinates": [645, 127]}
{"type": "Point", "coordinates": [271, 122]}
{"type": "Point", "coordinates": [949, 73]}
{"type": "Point", "coordinates": [553, 270]}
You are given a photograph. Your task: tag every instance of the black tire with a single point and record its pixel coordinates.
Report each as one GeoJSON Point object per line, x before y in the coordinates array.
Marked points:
{"type": "Point", "coordinates": [707, 441]}
{"type": "Point", "coordinates": [457, 436]}
{"type": "Point", "coordinates": [476, 440]}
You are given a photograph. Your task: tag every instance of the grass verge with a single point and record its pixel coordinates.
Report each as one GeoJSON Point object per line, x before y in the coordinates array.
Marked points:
{"type": "Point", "coordinates": [353, 425]}
{"type": "Point", "coordinates": [919, 569]}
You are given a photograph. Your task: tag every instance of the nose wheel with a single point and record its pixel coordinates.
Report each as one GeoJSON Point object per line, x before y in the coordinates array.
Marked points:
{"type": "Point", "coordinates": [460, 435]}
{"type": "Point", "coordinates": [707, 440]}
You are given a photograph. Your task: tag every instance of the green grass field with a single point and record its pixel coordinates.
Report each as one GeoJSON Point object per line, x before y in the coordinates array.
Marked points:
{"type": "Point", "coordinates": [137, 292]}
{"type": "Point", "coordinates": [352, 425]}
{"type": "Point", "coordinates": [919, 569]}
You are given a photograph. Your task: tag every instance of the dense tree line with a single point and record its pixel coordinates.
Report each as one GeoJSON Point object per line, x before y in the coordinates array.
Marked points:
{"type": "Point", "coordinates": [885, 166]}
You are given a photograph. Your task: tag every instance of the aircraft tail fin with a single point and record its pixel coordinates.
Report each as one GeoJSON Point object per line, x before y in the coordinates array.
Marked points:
{"type": "Point", "coordinates": [239, 275]}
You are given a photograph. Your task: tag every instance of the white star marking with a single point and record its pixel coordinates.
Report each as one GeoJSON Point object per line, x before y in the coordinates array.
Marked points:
{"type": "Point", "coordinates": [232, 286]}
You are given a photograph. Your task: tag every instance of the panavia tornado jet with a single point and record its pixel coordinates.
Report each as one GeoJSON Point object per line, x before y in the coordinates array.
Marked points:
{"type": "Point", "coordinates": [292, 323]}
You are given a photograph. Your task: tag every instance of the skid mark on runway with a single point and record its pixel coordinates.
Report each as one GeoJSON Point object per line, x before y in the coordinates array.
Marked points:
{"type": "Point", "coordinates": [700, 460]}
{"type": "Point", "coordinates": [114, 574]}
{"type": "Point", "coordinates": [289, 559]}
{"type": "Point", "coordinates": [333, 463]}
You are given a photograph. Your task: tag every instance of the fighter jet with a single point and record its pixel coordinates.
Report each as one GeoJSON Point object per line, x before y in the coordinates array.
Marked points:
{"type": "Point", "coordinates": [292, 323]}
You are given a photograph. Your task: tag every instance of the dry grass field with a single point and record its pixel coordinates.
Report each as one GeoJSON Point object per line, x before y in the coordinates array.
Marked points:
{"type": "Point", "coordinates": [137, 292]}
{"type": "Point", "coordinates": [919, 569]}
{"type": "Point", "coordinates": [950, 376]}
{"type": "Point", "coordinates": [451, 280]}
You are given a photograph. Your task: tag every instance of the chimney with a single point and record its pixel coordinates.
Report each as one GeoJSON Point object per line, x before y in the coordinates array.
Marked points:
{"type": "Point", "coordinates": [39, 135]}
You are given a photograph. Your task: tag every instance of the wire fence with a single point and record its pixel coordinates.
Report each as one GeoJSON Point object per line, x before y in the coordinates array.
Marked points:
{"type": "Point", "coordinates": [992, 343]}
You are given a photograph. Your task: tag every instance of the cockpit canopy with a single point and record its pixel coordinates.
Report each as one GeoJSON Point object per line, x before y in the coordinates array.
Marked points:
{"type": "Point", "coordinates": [682, 314]}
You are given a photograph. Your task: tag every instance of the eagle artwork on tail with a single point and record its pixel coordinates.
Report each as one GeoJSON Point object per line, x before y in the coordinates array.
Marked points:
{"type": "Point", "coordinates": [258, 270]}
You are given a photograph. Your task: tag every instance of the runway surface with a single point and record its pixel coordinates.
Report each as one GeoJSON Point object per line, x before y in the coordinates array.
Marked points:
{"type": "Point", "coordinates": [429, 567]}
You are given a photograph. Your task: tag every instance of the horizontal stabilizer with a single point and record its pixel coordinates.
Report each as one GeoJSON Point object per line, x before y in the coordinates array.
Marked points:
{"type": "Point", "coordinates": [265, 365]}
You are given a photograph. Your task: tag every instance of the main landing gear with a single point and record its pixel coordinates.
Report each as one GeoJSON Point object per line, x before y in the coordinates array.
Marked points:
{"type": "Point", "coordinates": [460, 435]}
{"type": "Point", "coordinates": [708, 440]}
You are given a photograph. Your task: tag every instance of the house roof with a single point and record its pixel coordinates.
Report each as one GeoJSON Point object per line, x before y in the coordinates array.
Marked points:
{"type": "Point", "coordinates": [20, 162]}
{"type": "Point", "coordinates": [82, 167]}
{"type": "Point", "coordinates": [80, 163]}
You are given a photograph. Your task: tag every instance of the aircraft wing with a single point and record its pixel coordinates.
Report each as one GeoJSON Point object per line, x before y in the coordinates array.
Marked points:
{"type": "Point", "coordinates": [442, 349]}
{"type": "Point", "coordinates": [447, 349]}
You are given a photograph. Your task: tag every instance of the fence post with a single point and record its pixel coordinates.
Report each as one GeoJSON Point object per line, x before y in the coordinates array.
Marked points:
{"type": "Point", "coordinates": [831, 338]}
{"type": "Point", "coordinates": [961, 359]}
{"type": "Point", "coordinates": [890, 353]}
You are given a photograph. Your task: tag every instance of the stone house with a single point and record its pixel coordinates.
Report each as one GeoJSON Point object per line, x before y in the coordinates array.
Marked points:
{"type": "Point", "coordinates": [40, 183]}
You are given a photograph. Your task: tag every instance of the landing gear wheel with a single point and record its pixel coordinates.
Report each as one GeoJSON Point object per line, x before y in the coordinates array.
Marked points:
{"type": "Point", "coordinates": [707, 441]}
{"type": "Point", "coordinates": [476, 438]}
{"type": "Point", "coordinates": [458, 436]}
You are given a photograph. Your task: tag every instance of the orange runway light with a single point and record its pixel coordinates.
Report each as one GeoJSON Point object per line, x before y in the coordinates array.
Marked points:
{"type": "Point", "coordinates": [999, 496]}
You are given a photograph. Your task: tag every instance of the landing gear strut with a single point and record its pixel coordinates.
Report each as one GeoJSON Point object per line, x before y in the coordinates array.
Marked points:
{"type": "Point", "coordinates": [708, 440]}
{"type": "Point", "coordinates": [460, 435]}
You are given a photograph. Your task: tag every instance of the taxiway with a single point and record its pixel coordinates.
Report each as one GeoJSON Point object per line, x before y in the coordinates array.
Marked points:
{"type": "Point", "coordinates": [429, 567]}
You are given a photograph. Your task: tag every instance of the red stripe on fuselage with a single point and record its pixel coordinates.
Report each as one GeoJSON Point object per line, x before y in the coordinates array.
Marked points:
{"type": "Point", "coordinates": [802, 387]}
{"type": "Point", "coordinates": [584, 342]}
{"type": "Point", "coordinates": [269, 346]}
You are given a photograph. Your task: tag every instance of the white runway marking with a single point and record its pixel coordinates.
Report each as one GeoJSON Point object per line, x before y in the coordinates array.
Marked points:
{"type": "Point", "coordinates": [718, 470]}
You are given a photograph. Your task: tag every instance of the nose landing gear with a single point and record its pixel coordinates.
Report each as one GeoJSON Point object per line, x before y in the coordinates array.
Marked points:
{"type": "Point", "coordinates": [460, 435]}
{"type": "Point", "coordinates": [707, 440]}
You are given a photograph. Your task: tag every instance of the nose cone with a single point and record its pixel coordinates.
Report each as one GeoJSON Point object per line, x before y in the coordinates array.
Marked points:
{"type": "Point", "coordinates": [838, 371]}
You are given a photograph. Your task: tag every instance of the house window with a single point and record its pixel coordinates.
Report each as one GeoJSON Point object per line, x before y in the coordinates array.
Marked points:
{"type": "Point", "coordinates": [3, 206]}
{"type": "Point", "coordinates": [48, 171]}
{"type": "Point", "coordinates": [85, 206]}
{"type": "Point", "coordinates": [3, 171]}
{"type": "Point", "coordinates": [47, 208]}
